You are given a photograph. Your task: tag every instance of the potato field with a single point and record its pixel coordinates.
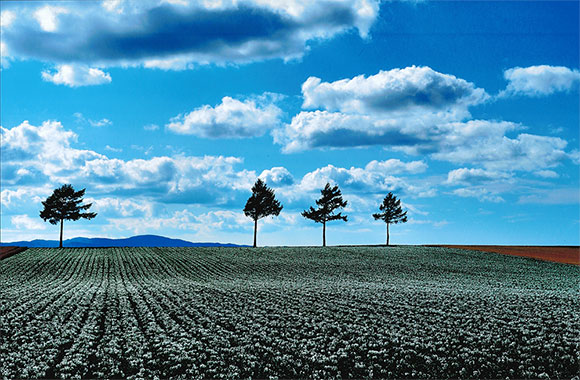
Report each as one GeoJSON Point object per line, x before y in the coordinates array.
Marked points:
{"type": "Point", "coordinates": [350, 312]}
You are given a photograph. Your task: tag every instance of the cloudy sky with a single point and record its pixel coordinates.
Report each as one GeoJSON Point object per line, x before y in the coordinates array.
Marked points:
{"type": "Point", "coordinates": [167, 111]}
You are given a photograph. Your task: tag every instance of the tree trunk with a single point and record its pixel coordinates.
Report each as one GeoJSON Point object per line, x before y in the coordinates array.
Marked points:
{"type": "Point", "coordinates": [324, 233]}
{"type": "Point", "coordinates": [61, 222]}
{"type": "Point", "coordinates": [387, 233]}
{"type": "Point", "coordinates": [255, 231]}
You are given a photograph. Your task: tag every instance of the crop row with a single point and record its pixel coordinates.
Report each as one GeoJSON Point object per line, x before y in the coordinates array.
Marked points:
{"type": "Point", "coordinates": [286, 312]}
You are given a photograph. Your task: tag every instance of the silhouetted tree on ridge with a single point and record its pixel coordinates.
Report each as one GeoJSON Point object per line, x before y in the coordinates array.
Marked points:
{"type": "Point", "coordinates": [391, 212]}
{"type": "Point", "coordinates": [65, 204]}
{"type": "Point", "coordinates": [330, 200]}
{"type": "Point", "coordinates": [261, 203]}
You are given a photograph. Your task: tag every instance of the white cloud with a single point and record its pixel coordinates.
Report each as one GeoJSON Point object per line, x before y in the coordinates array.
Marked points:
{"type": "Point", "coordinates": [400, 107]}
{"type": "Point", "coordinates": [100, 123]}
{"type": "Point", "coordinates": [395, 166]}
{"type": "Point", "coordinates": [80, 118]}
{"type": "Point", "coordinates": [47, 152]}
{"type": "Point", "coordinates": [6, 18]}
{"type": "Point", "coordinates": [481, 142]}
{"type": "Point", "coordinates": [481, 193]}
{"type": "Point", "coordinates": [110, 148]}
{"type": "Point", "coordinates": [222, 220]}
{"type": "Point", "coordinates": [393, 91]}
{"type": "Point", "coordinates": [47, 17]}
{"type": "Point", "coordinates": [4, 56]}
{"type": "Point", "coordinates": [231, 118]}
{"type": "Point", "coordinates": [76, 76]}
{"type": "Point", "coordinates": [44, 149]}
{"type": "Point", "coordinates": [434, 223]}
{"type": "Point", "coordinates": [13, 198]}
{"type": "Point", "coordinates": [540, 80]}
{"type": "Point", "coordinates": [277, 176]}
{"type": "Point", "coordinates": [114, 6]}
{"type": "Point", "coordinates": [119, 206]}
{"type": "Point", "coordinates": [374, 178]}
{"type": "Point", "coordinates": [205, 224]}
{"type": "Point", "coordinates": [27, 223]}
{"type": "Point", "coordinates": [474, 176]}
{"type": "Point", "coordinates": [418, 111]}
{"type": "Point", "coordinates": [115, 33]}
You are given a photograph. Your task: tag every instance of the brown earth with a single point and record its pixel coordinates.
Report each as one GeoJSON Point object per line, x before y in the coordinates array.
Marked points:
{"type": "Point", "coordinates": [6, 252]}
{"type": "Point", "coordinates": [558, 254]}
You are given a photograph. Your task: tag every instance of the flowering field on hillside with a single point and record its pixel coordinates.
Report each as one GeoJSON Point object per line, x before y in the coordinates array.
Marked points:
{"type": "Point", "coordinates": [286, 312]}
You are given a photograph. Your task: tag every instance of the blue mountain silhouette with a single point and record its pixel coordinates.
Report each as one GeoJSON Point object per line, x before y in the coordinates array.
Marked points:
{"type": "Point", "coordinates": [134, 241]}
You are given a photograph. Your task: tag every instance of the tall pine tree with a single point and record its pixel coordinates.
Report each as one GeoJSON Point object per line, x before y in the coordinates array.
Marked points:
{"type": "Point", "coordinates": [330, 200]}
{"type": "Point", "coordinates": [262, 203]}
{"type": "Point", "coordinates": [391, 212]}
{"type": "Point", "coordinates": [65, 204]}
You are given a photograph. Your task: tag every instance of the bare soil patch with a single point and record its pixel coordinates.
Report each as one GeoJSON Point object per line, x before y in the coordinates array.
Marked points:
{"type": "Point", "coordinates": [558, 254]}
{"type": "Point", "coordinates": [6, 252]}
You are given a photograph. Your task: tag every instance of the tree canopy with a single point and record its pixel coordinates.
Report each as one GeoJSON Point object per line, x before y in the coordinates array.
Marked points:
{"type": "Point", "coordinates": [330, 200]}
{"type": "Point", "coordinates": [261, 203]}
{"type": "Point", "coordinates": [391, 212]}
{"type": "Point", "coordinates": [65, 204]}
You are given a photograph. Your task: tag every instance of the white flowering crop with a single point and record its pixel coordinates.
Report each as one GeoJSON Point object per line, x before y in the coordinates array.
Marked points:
{"type": "Point", "coordinates": [401, 312]}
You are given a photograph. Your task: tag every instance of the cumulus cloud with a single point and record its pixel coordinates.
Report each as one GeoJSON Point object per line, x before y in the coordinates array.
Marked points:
{"type": "Point", "coordinates": [484, 143]}
{"type": "Point", "coordinates": [231, 118]}
{"type": "Point", "coordinates": [27, 223]}
{"type": "Point", "coordinates": [277, 176]}
{"type": "Point", "coordinates": [6, 18]}
{"type": "Point", "coordinates": [479, 142]}
{"type": "Point", "coordinates": [395, 166]}
{"type": "Point", "coordinates": [45, 150]}
{"type": "Point", "coordinates": [205, 224]}
{"type": "Point", "coordinates": [221, 220]}
{"type": "Point", "coordinates": [396, 90]}
{"type": "Point", "coordinates": [418, 111]}
{"type": "Point", "coordinates": [119, 206]}
{"type": "Point", "coordinates": [46, 154]}
{"type": "Point", "coordinates": [179, 34]}
{"type": "Point", "coordinates": [400, 107]}
{"type": "Point", "coordinates": [12, 198]}
{"type": "Point", "coordinates": [375, 178]}
{"type": "Point", "coordinates": [323, 129]}
{"type": "Point", "coordinates": [76, 76]}
{"type": "Point", "coordinates": [540, 80]}
{"type": "Point", "coordinates": [47, 17]}
{"type": "Point", "coordinates": [474, 176]}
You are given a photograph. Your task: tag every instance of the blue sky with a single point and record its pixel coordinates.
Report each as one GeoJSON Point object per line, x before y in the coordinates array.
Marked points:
{"type": "Point", "coordinates": [167, 111]}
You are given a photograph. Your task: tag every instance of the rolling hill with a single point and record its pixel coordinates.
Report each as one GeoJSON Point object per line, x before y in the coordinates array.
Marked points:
{"type": "Point", "coordinates": [134, 241]}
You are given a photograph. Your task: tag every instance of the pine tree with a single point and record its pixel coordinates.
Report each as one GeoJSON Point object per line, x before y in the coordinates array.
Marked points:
{"type": "Point", "coordinates": [391, 212]}
{"type": "Point", "coordinates": [330, 200]}
{"type": "Point", "coordinates": [65, 204]}
{"type": "Point", "coordinates": [262, 203]}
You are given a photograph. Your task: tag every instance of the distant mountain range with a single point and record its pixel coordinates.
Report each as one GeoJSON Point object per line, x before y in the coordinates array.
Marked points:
{"type": "Point", "coordinates": [135, 241]}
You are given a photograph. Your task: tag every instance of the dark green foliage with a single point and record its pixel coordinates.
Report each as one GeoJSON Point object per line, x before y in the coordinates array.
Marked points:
{"type": "Point", "coordinates": [391, 212]}
{"type": "Point", "coordinates": [65, 204]}
{"type": "Point", "coordinates": [262, 203]}
{"type": "Point", "coordinates": [330, 200]}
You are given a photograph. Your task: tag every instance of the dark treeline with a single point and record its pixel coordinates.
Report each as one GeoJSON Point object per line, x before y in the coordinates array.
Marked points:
{"type": "Point", "coordinates": [66, 204]}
